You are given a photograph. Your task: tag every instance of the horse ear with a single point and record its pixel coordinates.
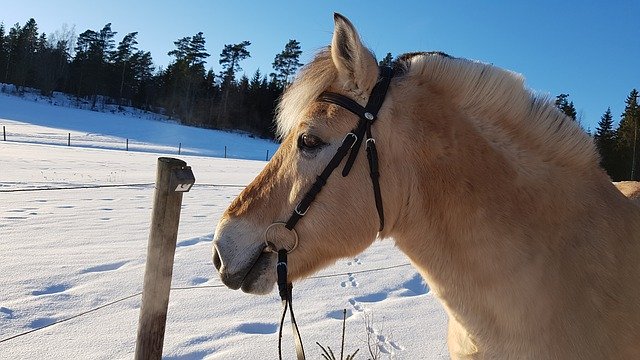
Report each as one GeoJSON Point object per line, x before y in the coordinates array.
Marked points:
{"type": "Point", "coordinates": [357, 68]}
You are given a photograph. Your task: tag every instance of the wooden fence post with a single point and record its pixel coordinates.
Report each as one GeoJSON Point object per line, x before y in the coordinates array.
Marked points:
{"type": "Point", "coordinates": [172, 179]}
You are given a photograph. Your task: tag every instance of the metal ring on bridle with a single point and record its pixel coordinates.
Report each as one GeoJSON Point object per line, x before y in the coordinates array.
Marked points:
{"type": "Point", "coordinates": [271, 246]}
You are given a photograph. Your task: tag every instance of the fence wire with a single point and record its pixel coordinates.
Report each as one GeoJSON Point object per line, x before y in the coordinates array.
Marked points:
{"type": "Point", "coordinates": [177, 288]}
{"type": "Point", "coordinates": [99, 186]}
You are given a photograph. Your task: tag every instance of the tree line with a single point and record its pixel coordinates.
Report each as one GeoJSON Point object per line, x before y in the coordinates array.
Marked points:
{"type": "Point", "coordinates": [92, 66]}
{"type": "Point", "coordinates": [618, 147]}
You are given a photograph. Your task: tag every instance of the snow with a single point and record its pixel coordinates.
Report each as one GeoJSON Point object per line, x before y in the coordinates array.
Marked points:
{"type": "Point", "coordinates": [39, 122]}
{"type": "Point", "coordinates": [70, 245]}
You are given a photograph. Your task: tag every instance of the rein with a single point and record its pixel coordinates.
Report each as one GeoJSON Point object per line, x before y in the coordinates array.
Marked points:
{"type": "Point", "coordinates": [350, 146]}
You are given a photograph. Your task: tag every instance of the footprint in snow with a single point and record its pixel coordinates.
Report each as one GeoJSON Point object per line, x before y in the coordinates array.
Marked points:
{"type": "Point", "coordinates": [104, 267]}
{"type": "Point", "coordinates": [52, 289]}
{"type": "Point", "coordinates": [351, 282]}
{"type": "Point", "coordinates": [385, 344]}
{"type": "Point", "coordinates": [358, 302]}
{"type": "Point", "coordinates": [356, 305]}
{"type": "Point", "coordinates": [6, 312]}
{"type": "Point", "coordinates": [339, 314]}
{"type": "Point", "coordinates": [41, 322]}
{"type": "Point", "coordinates": [371, 298]}
{"type": "Point", "coordinates": [198, 280]}
{"type": "Point", "coordinates": [414, 286]}
{"type": "Point", "coordinates": [15, 217]}
{"type": "Point", "coordinates": [258, 328]}
{"type": "Point", "coordinates": [195, 241]}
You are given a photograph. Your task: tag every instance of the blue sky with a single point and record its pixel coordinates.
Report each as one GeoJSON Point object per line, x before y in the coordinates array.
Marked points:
{"type": "Point", "coordinates": [589, 49]}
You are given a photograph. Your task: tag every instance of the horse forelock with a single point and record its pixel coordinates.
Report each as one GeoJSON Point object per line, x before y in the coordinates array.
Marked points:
{"type": "Point", "coordinates": [313, 79]}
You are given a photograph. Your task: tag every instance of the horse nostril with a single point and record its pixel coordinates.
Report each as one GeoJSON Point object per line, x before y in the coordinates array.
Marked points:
{"type": "Point", "coordinates": [216, 259]}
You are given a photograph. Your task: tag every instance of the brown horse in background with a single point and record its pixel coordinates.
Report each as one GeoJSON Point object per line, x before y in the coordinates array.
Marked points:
{"type": "Point", "coordinates": [495, 196]}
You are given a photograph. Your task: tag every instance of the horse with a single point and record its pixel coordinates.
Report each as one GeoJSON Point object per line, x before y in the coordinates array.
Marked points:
{"type": "Point", "coordinates": [495, 196]}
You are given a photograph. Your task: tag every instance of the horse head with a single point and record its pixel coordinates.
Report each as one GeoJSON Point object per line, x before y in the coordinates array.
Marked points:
{"type": "Point", "coordinates": [342, 221]}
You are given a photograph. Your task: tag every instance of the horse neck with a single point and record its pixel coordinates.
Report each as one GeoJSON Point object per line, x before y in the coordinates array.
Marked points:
{"type": "Point", "coordinates": [473, 209]}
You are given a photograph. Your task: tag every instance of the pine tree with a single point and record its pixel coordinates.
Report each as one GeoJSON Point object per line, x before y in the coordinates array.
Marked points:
{"type": "Point", "coordinates": [44, 73]}
{"type": "Point", "coordinates": [566, 106]}
{"type": "Point", "coordinates": [81, 71]}
{"type": "Point", "coordinates": [387, 60]}
{"type": "Point", "coordinates": [105, 44]}
{"type": "Point", "coordinates": [122, 57]}
{"type": "Point", "coordinates": [23, 54]}
{"type": "Point", "coordinates": [230, 58]}
{"type": "Point", "coordinates": [4, 53]}
{"type": "Point", "coordinates": [92, 71]}
{"type": "Point", "coordinates": [13, 47]}
{"type": "Point", "coordinates": [605, 142]}
{"type": "Point", "coordinates": [287, 62]}
{"type": "Point", "coordinates": [196, 52]}
{"type": "Point", "coordinates": [141, 67]}
{"type": "Point", "coordinates": [186, 77]}
{"type": "Point", "coordinates": [181, 50]}
{"type": "Point", "coordinates": [627, 136]}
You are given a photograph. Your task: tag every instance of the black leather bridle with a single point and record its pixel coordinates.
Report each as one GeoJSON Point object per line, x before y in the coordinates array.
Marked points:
{"type": "Point", "coordinates": [352, 142]}
{"type": "Point", "coordinates": [350, 145]}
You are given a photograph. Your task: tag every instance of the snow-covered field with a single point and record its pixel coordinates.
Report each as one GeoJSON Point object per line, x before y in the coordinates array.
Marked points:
{"type": "Point", "coordinates": [74, 225]}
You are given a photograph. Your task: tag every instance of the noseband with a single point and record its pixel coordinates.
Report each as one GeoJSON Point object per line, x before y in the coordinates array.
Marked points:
{"type": "Point", "coordinates": [350, 145]}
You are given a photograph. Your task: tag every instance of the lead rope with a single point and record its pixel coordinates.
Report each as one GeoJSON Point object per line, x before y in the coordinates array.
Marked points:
{"type": "Point", "coordinates": [285, 288]}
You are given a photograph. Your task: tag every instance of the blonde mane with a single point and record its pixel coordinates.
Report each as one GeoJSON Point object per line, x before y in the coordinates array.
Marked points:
{"type": "Point", "coordinates": [496, 100]}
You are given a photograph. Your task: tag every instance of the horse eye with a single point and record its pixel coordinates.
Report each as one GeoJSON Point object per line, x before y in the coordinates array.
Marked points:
{"type": "Point", "coordinates": [310, 142]}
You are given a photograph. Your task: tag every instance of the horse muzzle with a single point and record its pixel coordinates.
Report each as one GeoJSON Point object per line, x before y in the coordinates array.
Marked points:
{"type": "Point", "coordinates": [249, 268]}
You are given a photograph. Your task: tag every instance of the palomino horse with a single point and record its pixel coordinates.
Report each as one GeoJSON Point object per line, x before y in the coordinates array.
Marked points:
{"type": "Point", "coordinates": [495, 196]}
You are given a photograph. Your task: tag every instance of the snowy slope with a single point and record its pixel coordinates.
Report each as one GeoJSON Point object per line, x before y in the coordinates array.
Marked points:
{"type": "Point", "coordinates": [49, 124]}
{"type": "Point", "coordinates": [67, 252]}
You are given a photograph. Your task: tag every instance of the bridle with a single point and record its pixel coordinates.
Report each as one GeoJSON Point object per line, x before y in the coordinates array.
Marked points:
{"type": "Point", "coordinates": [351, 144]}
